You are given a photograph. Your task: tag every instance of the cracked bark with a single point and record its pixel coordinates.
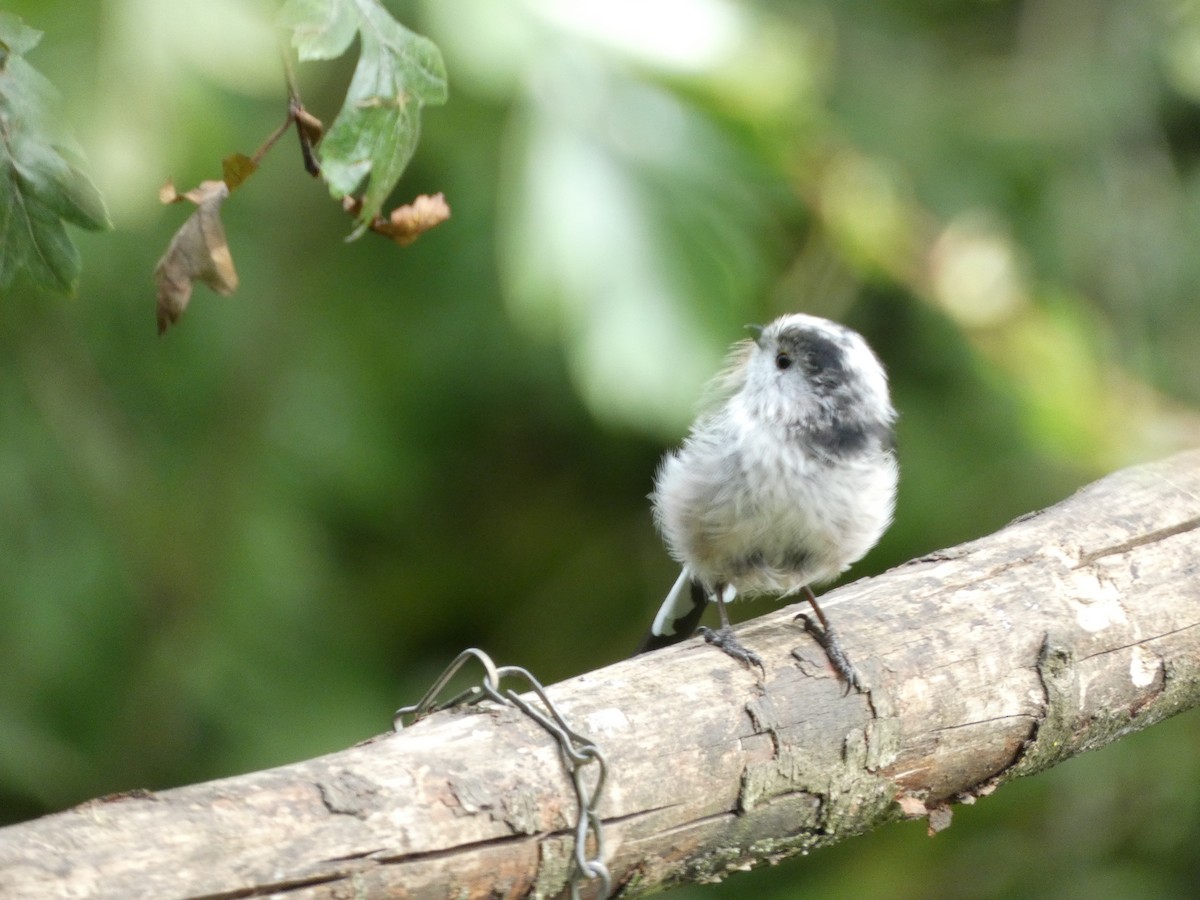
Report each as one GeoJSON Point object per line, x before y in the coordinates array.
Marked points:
{"type": "Point", "coordinates": [995, 659]}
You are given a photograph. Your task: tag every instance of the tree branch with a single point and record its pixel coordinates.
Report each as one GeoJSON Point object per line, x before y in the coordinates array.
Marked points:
{"type": "Point", "coordinates": [998, 658]}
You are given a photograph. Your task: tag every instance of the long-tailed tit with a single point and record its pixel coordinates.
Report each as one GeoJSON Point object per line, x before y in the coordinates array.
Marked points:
{"type": "Point", "coordinates": [788, 480]}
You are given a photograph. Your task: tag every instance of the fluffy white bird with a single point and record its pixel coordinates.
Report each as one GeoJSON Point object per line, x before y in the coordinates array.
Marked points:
{"type": "Point", "coordinates": [785, 482]}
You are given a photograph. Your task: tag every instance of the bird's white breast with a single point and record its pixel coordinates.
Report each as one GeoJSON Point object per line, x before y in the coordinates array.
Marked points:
{"type": "Point", "coordinates": [748, 504]}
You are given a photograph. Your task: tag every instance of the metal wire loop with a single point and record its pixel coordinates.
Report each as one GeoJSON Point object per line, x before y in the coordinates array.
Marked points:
{"type": "Point", "coordinates": [579, 753]}
{"type": "Point", "coordinates": [428, 703]}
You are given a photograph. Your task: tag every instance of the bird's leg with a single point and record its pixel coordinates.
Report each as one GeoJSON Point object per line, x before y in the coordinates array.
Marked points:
{"type": "Point", "coordinates": [724, 638]}
{"type": "Point", "coordinates": [828, 639]}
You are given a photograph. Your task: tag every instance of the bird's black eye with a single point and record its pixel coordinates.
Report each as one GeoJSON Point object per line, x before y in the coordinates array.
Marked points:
{"type": "Point", "coordinates": [782, 361]}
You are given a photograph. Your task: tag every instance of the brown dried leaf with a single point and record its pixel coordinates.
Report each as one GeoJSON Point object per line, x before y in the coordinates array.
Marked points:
{"type": "Point", "coordinates": [308, 124]}
{"type": "Point", "coordinates": [236, 168]}
{"type": "Point", "coordinates": [197, 252]}
{"type": "Point", "coordinates": [408, 222]}
{"type": "Point", "coordinates": [168, 193]}
{"type": "Point", "coordinates": [310, 130]}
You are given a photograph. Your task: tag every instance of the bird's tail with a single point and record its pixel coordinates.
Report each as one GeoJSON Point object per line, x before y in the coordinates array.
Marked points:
{"type": "Point", "coordinates": [679, 614]}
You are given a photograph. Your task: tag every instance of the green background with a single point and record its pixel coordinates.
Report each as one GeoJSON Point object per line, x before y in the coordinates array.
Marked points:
{"type": "Point", "coordinates": [247, 542]}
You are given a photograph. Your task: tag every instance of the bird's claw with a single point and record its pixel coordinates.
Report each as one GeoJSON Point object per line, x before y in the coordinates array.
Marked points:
{"type": "Point", "coordinates": [837, 656]}
{"type": "Point", "coordinates": [725, 640]}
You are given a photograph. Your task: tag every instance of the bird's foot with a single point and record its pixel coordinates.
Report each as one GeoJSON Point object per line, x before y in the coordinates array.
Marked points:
{"type": "Point", "coordinates": [724, 638]}
{"type": "Point", "coordinates": [829, 642]}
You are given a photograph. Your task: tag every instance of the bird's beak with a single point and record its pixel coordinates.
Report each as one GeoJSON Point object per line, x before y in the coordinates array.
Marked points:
{"type": "Point", "coordinates": [756, 332]}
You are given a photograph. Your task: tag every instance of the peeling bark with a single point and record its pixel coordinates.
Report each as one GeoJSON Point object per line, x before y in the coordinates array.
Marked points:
{"type": "Point", "coordinates": [998, 658]}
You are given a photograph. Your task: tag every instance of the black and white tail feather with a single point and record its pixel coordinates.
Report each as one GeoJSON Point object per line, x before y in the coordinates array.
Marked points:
{"type": "Point", "coordinates": [679, 615]}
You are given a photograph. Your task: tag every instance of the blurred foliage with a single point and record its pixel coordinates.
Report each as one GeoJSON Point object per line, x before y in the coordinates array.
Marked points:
{"type": "Point", "coordinates": [246, 543]}
{"type": "Point", "coordinates": [41, 187]}
{"type": "Point", "coordinates": [397, 74]}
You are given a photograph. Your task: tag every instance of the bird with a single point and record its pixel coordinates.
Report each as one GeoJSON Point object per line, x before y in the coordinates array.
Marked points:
{"type": "Point", "coordinates": [785, 480]}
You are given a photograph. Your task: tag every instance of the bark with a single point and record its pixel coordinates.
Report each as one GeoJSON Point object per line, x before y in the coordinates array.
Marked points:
{"type": "Point", "coordinates": [998, 658]}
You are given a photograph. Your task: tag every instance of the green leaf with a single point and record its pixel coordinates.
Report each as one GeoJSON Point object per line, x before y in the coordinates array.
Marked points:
{"type": "Point", "coordinates": [398, 73]}
{"type": "Point", "coordinates": [41, 184]}
{"type": "Point", "coordinates": [321, 29]}
{"type": "Point", "coordinates": [17, 37]}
